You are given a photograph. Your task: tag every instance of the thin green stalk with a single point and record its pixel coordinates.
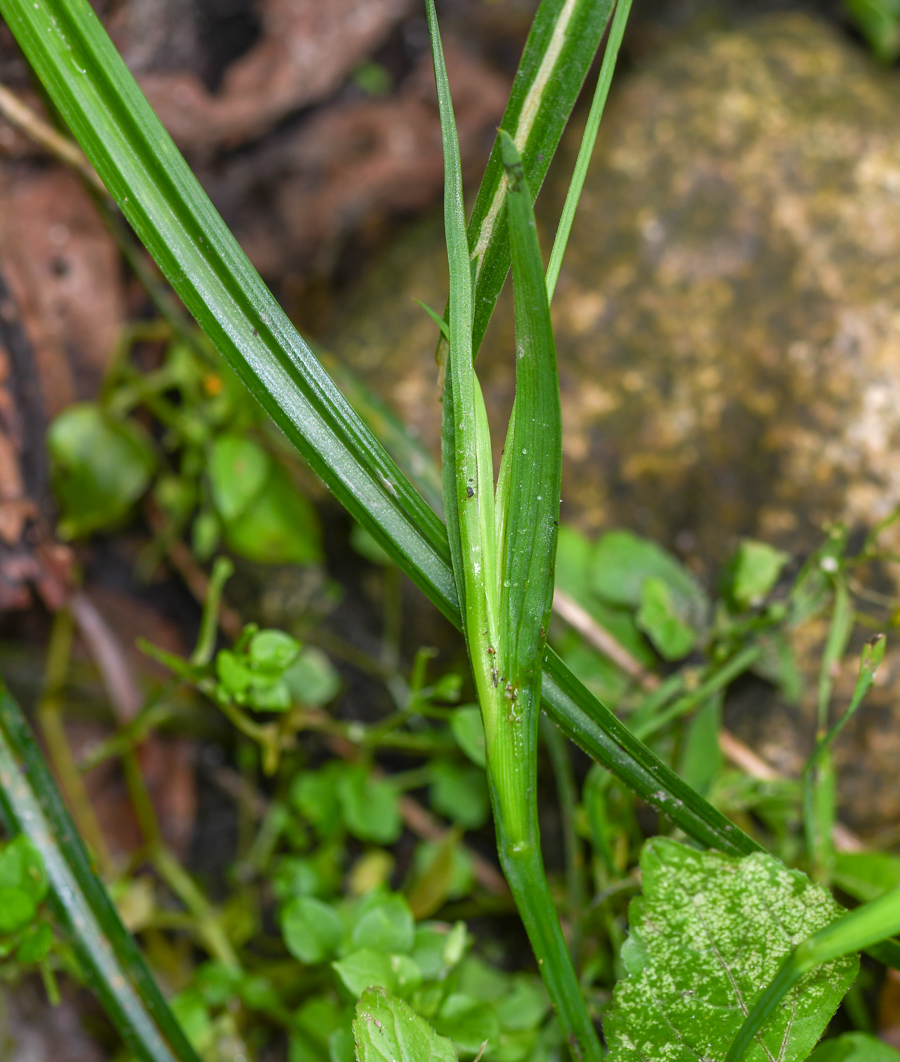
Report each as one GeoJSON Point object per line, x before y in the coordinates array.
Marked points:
{"type": "Point", "coordinates": [835, 646]}
{"type": "Point", "coordinates": [222, 571]}
{"type": "Point", "coordinates": [203, 914]}
{"type": "Point", "coordinates": [504, 577]}
{"type": "Point", "coordinates": [50, 719]}
{"type": "Point", "coordinates": [717, 681]}
{"type": "Point", "coordinates": [588, 140]}
{"type": "Point", "coordinates": [819, 782]}
{"type": "Point", "coordinates": [528, 499]}
{"type": "Point", "coordinates": [206, 921]}
{"type": "Point", "coordinates": [567, 795]}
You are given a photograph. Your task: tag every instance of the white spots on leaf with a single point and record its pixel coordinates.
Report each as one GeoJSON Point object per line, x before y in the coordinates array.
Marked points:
{"type": "Point", "coordinates": [713, 932]}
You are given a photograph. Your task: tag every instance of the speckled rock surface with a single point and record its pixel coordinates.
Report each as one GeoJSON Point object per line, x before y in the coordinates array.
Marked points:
{"type": "Point", "coordinates": [729, 313]}
{"type": "Point", "coordinates": [728, 318]}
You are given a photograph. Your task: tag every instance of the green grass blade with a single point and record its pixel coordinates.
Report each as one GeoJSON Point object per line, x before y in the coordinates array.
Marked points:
{"type": "Point", "coordinates": [594, 728]}
{"type": "Point", "coordinates": [534, 455]}
{"type": "Point", "coordinates": [530, 473]}
{"type": "Point", "coordinates": [409, 453]}
{"type": "Point", "coordinates": [588, 140]}
{"type": "Point", "coordinates": [126, 144]}
{"type": "Point", "coordinates": [466, 442]}
{"type": "Point", "coordinates": [561, 46]}
{"type": "Point", "coordinates": [819, 778]}
{"type": "Point", "coordinates": [30, 803]}
{"type": "Point", "coordinates": [870, 661]}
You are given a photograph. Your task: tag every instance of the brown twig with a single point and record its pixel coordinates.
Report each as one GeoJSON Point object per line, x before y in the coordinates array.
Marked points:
{"type": "Point", "coordinates": [424, 825]}
{"type": "Point", "coordinates": [731, 747]}
{"type": "Point", "coordinates": [106, 649]}
{"type": "Point", "coordinates": [568, 609]}
{"type": "Point", "coordinates": [42, 133]}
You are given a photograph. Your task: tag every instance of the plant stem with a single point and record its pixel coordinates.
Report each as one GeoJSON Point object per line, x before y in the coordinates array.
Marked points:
{"type": "Point", "coordinates": [518, 844]}
{"type": "Point", "coordinates": [737, 665]}
{"type": "Point", "coordinates": [50, 719]}
{"type": "Point", "coordinates": [203, 916]}
{"type": "Point", "coordinates": [558, 748]}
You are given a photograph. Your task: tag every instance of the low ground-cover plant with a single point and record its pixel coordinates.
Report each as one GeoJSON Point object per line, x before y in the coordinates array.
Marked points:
{"type": "Point", "coordinates": [491, 572]}
{"type": "Point", "coordinates": [211, 471]}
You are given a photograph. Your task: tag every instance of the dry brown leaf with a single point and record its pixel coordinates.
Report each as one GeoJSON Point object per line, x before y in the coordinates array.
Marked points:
{"type": "Point", "coordinates": [357, 161]}
{"type": "Point", "coordinates": [306, 51]}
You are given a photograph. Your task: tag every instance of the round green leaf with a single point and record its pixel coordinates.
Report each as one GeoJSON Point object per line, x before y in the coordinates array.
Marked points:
{"type": "Point", "coordinates": [460, 792]}
{"type": "Point", "coordinates": [234, 675]}
{"type": "Point", "coordinates": [238, 468]}
{"type": "Point", "coordinates": [35, 944]}
{"type": "Point", "coordinates": [388, 926]}
{"type": "Point", "coordinates": [468, 730]}
{"type": "Point", "coordinates": [314, 794]}
{"type": "Point", "coordinates": [660, 619]}
{"type": "Point", "coordinates": [369, 806]}
{"type": "Point", "coordinates": [525, 1007]}
{"type": "Point", "coordinates": [101, 467]}
{"type": "Point", "coordinates": [312, 678]}
{"type": "Point", "coordinates": [272, 651]}
{"type": "Point", "coordinates": [468, 1022]}
{"type": "Point", "coordinates": [753, 572]}
{"type": "Point", "coordinates": [280, 527]}
{"type": "Point", "coordinates": [366, 968]}
{"type": "Point", "coordinates": [312, 930]}
{"type": "Point", "coordinates": [268, 696]}
{"type": "Point", "coordinates": [17, 909]}
{"type": "Point", "coordinates": [620, 564]}
{"type": "Point", "coordinates": [21, 867]}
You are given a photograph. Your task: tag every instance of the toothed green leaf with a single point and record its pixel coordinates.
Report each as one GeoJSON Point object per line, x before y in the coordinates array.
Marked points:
{"type": "Point", "coordinates": [706, 938]}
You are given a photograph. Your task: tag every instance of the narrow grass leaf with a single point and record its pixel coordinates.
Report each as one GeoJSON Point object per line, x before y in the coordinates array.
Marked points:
{"type": "Point", "coordinates": [466, 447]}
{"type": "Point", "coordinates": [561, 46]}
{"type": "Point", "coordinates": [534, 452]}
{"type": "Point", "coordinates": [870, 661]}
{"type": "Point", "coordinates": [436, 317]}
{"type": "Point", "coordinates": [30, 804]}
{"type": "Point", "coordinates": [819, 779]}
{"type": "Point", "coordinates": [588, 140]}
{"type": "Point", "coordinates": [528, 499]}
{"type": "Point", "coordinates": [144, 172]}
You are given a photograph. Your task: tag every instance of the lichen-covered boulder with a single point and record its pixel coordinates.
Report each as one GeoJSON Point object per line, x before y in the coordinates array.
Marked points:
{"type": "Point", "coordinates": [728, 317]}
